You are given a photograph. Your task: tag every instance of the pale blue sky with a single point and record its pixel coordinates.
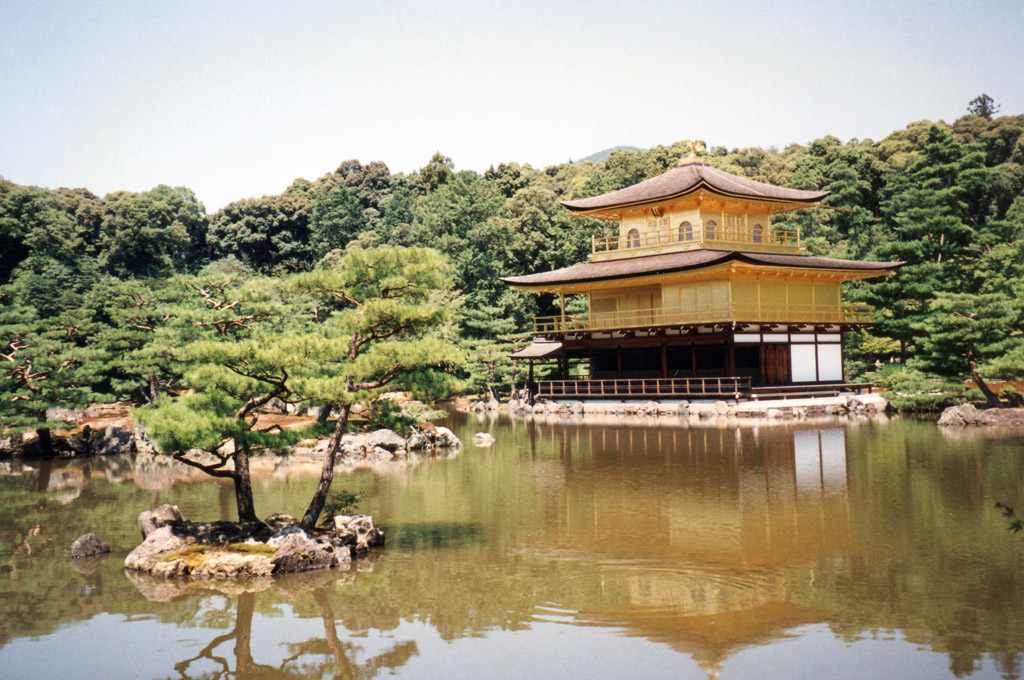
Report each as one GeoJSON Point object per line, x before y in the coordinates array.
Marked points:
{"type": "Point", "coordinates": [237, 99]}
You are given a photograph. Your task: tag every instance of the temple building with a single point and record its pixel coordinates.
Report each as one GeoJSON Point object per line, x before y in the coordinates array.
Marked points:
{"type": "Point", "coordinates": [699, 294]}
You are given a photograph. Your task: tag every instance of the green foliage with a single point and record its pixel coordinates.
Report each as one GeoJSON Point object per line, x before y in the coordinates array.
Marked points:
{"type": "Point", "coordinates": [1008, 366]}
{"type": "Point", "coordinates": [47, 363]}
{"type": "Point", "coordinates": [269, 234]}
{"type": "Point", "coordinates": [154, 233]}
{"type": "Point", "coordinates": [910, 390]}
{"type": "Point", "coordinates": [866, 353]}
{"type": "Point", "coordinates": [337, 218]}
{"type": "Point", "coordinates": [388, 415]}
{"type": "Point", "coordinates": [342, 502]}
{"type": "Point", "coordinates": [983, 106]}
{"type": "Point", "coordinates": [332, 337]}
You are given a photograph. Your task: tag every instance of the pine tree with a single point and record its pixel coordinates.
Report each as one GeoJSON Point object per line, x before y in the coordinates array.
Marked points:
{"type": "Point", "coordinates": [339, 335]}
{"type": "Point", "coordinates": [934, 225]}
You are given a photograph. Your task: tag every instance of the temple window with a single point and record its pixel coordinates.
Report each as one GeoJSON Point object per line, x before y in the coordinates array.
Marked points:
{"type": "Point", "coordinates": [709, 230]}
{"type": "Point", "coordinates": [685, 231]}
{"type": "Point", "coordinates": [757, 233]}
{"type": "Point", "coordinates": [633, 239]}
{"type": "Point", "coordinates": [657, 223]}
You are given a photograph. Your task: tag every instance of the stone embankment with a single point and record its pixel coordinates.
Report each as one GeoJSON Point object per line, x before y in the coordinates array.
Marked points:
{"type": "Point", "coordinates": [865, 404]}
{"type": "Point", "coordinates": [966, 415]}
{"type": "Point", "coordinates": [384, 445]}
{"type": "Point", "coordinates": [107, 429]}
{"type": "Point", "coordinates": [100, 430]}
{"type": "Point", "coordinates": [175, 547]}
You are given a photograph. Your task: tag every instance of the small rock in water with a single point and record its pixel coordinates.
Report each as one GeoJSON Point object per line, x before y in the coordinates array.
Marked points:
{"type": "Point", "coordinates": [87, 545]}
{"type": "Point", "coordinates": [359, 531]}
{"type": "Point", "coordinates": [961, 415]}
{"type": "Point", "coordinates": [483, 439]}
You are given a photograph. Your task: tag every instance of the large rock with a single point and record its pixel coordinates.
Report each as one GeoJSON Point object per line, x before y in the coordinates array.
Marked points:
{"type": "Point", "coordinates": [57, 414]}
{"type": "Point", "coordinates": [88, 545]}
{"type": "Point", "coordinates": [385, 439]}
{"type": "Point", "coordinates": [357, 531]}
{"type": "Point", "coordinates": [234, 565]}
{"type": "Point", "coordinates": [433, 437]}
{"type": "Point", "coordinates": [961, 415]}
{"type": "Point", "coordinates": [446, 439]}
{"type": "Point", "coordinates": [866, 403]}
{"type": "Point", "coordinates": [298, 551]}
{"type": "Point", "coordinates": [150, 520]}
{"type": "Point", "coordinates": [115, 439]}
{"type": "Point", "coordinates": [159, 543]}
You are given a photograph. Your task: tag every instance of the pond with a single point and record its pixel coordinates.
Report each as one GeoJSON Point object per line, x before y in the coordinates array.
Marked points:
{"type": "Point", "coordinates": [655, 549]}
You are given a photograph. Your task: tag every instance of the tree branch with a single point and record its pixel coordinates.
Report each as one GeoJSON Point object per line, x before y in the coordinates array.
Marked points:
{"type": "Point", "coordinates": [225, 325]}
{"type": "Point", "coordinates": [212, 470]}
{"type": "Point", "coordinates": [340, 294]}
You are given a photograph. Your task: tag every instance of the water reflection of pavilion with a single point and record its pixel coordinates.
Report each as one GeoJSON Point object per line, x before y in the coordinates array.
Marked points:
{"type": "Point", "coordinates": [713, 526]}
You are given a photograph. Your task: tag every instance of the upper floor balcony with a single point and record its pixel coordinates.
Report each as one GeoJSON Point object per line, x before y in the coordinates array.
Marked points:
{"type": "Point", "coordinates": [687, 236]}
{"type": "Point", "coordinates": [725, 312]}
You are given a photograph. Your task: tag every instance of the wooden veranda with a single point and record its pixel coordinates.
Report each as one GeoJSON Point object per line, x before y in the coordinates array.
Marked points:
{"type": "Point", "coordinates": [725, 387]}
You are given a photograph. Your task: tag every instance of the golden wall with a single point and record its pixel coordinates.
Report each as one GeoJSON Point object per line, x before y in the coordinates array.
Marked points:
{"type": "Point", "coordinates": [776, 291]}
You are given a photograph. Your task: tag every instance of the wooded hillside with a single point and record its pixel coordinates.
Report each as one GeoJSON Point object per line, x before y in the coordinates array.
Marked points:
{"type": "Point", "coordinates": [96, 291]}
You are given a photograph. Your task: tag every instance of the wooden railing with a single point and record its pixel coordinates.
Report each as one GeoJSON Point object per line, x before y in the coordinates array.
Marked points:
{"type": "Point", "coordinates": [801, 391]}
{"type": "Point", "coordinates": [733, 387]}
{"type": "Point", "coordinates": [700, 235]}
{"type": "Point", "coordinates": [703, 314]}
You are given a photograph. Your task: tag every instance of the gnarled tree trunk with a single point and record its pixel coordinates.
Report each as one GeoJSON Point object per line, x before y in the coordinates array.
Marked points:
{"type": "Point", "coordinates": [316, 505]}
{"type": "Point", "coordinates": [990, 396]}
{"type": "Point", "coordinates": [243, 486]}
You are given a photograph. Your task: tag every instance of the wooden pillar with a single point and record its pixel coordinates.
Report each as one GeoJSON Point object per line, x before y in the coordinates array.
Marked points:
{"type": "Point", "coordinates": [730, 354]}
{"type": "Point", "coordinates": [664, 358]}
{"type": "Point", "coordinates": [618, 362]}
{"type": "Point", "coordinates": [531, 387]}
{"type": "Point", "coordinates": [563, 365]}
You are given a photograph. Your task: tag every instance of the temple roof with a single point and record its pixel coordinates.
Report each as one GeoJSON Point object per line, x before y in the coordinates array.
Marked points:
{"type": "Point", "coordinates": [666, 263]}
{"type": "Point", "coordinates": [538, 349]}
{"type": "Point", "coordinates": [688, 177]}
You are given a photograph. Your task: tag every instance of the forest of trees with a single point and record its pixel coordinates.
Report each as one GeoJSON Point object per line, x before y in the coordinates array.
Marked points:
{"type": "Point", "coordinates": [102, 297]}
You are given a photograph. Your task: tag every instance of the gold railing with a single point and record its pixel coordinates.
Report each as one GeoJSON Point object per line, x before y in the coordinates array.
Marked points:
{"type": "Point", "coordinates": [700, 235]}
{"type": "Point", "coordinates": [704, 314]}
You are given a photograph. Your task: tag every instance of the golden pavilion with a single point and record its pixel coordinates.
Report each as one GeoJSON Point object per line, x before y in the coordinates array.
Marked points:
{"type": "Point", "coordinates": [699, 294]}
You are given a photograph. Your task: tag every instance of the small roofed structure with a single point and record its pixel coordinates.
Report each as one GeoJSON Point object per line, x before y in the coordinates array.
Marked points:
{"type": "Point", "coordinates": [539, 349]}
{"type": "Point", "coordinates": [698, 287]}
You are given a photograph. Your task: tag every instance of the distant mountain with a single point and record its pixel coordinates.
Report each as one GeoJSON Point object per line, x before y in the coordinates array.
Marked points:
{"type": "Point", "coordinates": [602, 156]}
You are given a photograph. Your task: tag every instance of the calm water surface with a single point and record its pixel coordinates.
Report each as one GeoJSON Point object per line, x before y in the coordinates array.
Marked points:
{"type": "Point", "coordinates": [655, 550]}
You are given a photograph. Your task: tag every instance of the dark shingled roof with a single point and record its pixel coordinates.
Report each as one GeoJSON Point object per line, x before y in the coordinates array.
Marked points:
{"type": "Point", "coordinates": [538, 349]}
{"type": "Point", "coordinates": [651, 265]}
{"type": "Point", "coordinates": [686, 178]}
